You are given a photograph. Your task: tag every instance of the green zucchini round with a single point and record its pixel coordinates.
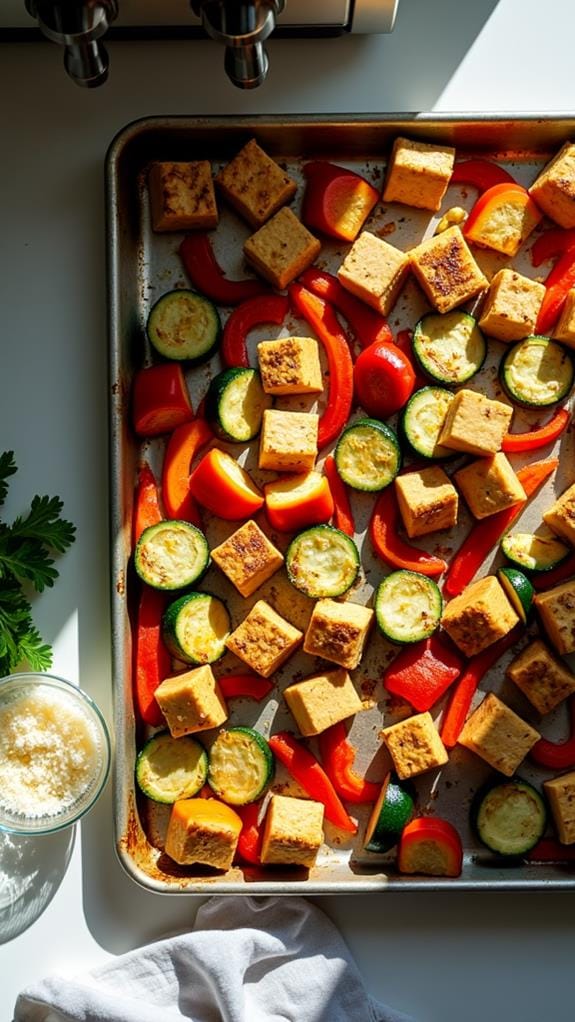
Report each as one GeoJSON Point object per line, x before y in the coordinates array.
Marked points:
{"type": "Point", "coordinates": [422, 420]}
{"type": "Point", "coordinates": [368, 455]}
{"type": "Point", "coordinates": [537, 372]}
{"type": "Point", "coordinates": [168, 769]}
{"type": "Point", "coordinates": [195, 628]}
{"type": "Point", "coordinates": [184, 325]}
{"type": "Point", "coordinates": [389, 816]}
{"type": "Point", "coordinates": [534, 552]}
{"type": "Point", "coordinates": [241, 765]}
{"type": "Point", "coordinates": [509, 817]}
{"type": "Point", "coordinates": [235, 404]}
{"type": "Point", "coordinates": [449, 347]}
{"type": "Point", "coordinates": [171, 555]}
{"type": "Point", "coordinates": [408, 606]}
{"type": "Point", "coordinates": [322, 562]}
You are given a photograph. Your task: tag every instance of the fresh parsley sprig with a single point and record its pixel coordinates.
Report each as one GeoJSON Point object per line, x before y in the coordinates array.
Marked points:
{"type": "Point", "coordinates": [25, 557]}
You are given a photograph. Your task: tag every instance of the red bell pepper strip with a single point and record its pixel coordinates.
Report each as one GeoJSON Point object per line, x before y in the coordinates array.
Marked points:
{"type": "Point", "coordinates": [308, 772]}
{"type": "Point", "coordinates": [421, 673]}
{"type": "Point", "coordinates": [338, 757]}
{"type": "Point", "coordinates": [514, 443]}
{"type": "Point", "coordinates": [249, 686]}
{"type": "Point", "coordinates": [559, 282]}
{"type": "Point", "coordinates": [336, 201]}
{"type": "Point", "coordinates": [485, 534]}
{"type": "Point", "coordinates": [368, 326]}
{"type": "Point", "coordinates": [557, 755]}
{"type": "Point", "coordinates": [146, 502]}
{"type": "Point", "coordinates": [481, 174]}
{"type": "Point", "coordinates": [322, 318]}
{"type": "Point", "coordinates": [152, 661]}
{"type": "Point", "coordinates": [461, 698]}
{"type": "Point", "coordinates": [183, 444]}
{"type": "Point", "coordinates": [563, 571]}
{"type": "Point", "coordinates": [160, 399]}
{"type": "Point", "coordinates": [549, 850]}
{"type": "Point", "coordinates": [207, 276]}
{"type": "Point", "coordinates": [383, 530]}
{"type": "Point", "coordinates": [431, 846]}
{"type": "Point", "coordinates": [342, 513]}
{"type": "Point", "coordinates": [249, 847]}
{"type": "Point", "coordinates": [552, 243]}
{"type": "Point", "coordinates": [253, 312]}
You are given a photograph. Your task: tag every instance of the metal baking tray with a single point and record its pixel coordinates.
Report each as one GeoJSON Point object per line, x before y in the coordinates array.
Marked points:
{"type": "Point", "coordinates": [141, 267]}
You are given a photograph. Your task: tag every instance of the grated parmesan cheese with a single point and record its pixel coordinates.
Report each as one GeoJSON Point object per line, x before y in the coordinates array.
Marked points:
{"type": "Point", "coordinates": [49, 752]}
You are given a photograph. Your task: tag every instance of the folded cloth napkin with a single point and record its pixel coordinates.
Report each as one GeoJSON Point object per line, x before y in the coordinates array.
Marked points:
{"type": "Point", "coordinates": [247, 960]}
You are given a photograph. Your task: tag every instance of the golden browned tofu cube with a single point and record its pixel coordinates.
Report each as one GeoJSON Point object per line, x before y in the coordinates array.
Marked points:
{"type": "Point", "coordinates": [204, 832]}
{"type": "Point", "coordinates": [414, 745]}
{"type": "Point", "coordinates": [565, 329]}
{"type": "Point", "coordinates": [446, 270]}
{"type": "Point", "coordinates": [561, 515]}
{"type": "Point", "coordinates": [560, 793]}
{"type": "Point", "coordinates": [247, 558]}
{"type": "Point", "coordinates": [182, 196]}
{"type": "Point", "coordinates": [418, 174]}
{"type": "Point", "coordinates": [192, 701]}
{"type": "Point", "coordinates": [288, 441]}
{"type": "Point", "coordinates": [264, 640]}
{"type": "Point", "coordinates": [480, 616]}
{"type": "Point", "coordinates": [374, 271]}
{"type": "Point", "coordinates": [293, 831]}
{"type": "Point", "coordinates": [511, 306]}
{"type": "Point", "coordinates": [556, 609]}
{"type": "Point", "coordinates": [498, 735]}
{"type": "Point", "coordinates": [475, 424]}
{"type": "Point", "coordinates": [290, 365]}
{"type": "Point", "coordinates": [281, 249]}
{"type": "Point", "coordinates": [489, 485]}
{"type": "Point", "coordinates": [541, 676]}
{"type": "Point", "coordinates": [427, 501]}
{"type": "Point", "coordinates": [338, 632]}
{"type": "Point", "coordinates": [554, 189]}
{"type": "Point", "coordinates": [322, 700]}
{"type": "Point", "coordinates": [254, 184]}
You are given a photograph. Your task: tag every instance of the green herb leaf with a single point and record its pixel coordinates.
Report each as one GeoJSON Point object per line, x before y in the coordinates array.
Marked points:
{"type": "Point", "coordinates": [7, 468]}
{"type": "Point", "coordinates": [43, 523]}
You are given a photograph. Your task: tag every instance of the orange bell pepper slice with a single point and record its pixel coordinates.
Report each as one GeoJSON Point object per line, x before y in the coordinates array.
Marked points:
{"type": "Point", "coordinates": [502, 218]}
{"type": "Point", "coordinates": [295, 502]}
{"type": "Point", "coordinates": [431, 846]}
{"type": "Point", "coordinates": [183, 445]}
{"type": "Point", "coordinates": [336, 201]}
{"type": "Point", "coordinates": [224, 487]}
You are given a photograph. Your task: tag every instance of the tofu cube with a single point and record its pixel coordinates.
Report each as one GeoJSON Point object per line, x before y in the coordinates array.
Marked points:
{"type": "Point", "coordinates": [293, 832]}
{"type": "Point", "coordinates": [427, 501]}
{"type": "Point", "coordinates": [554, 189]}
{"type": "Point", "coordinates": [338, 632]}
{"type": "Point", "coordinates": [264, 640]}
{"type": "Point", "coordinates": [565, 329]}
{"type": "Point", "coordinates": [374, 271]}
{"type": "Point", "coordinates": [489, 485]}
{"type": "Point", "coordinates": [475, 424]}
{"type": "Point", "coordinates": [511, 306]}
{"type": "Point", "coordinates": [414, 745]}
{"type": "Point", "coordinates": [556, 609]}
{"type": "Point", "coordinates": [560, 793]}
{"type": "Point", "coordinates": [254, 184]}
{"type": "Point", "coordinates": [192, 701]}
{"type": "Point", "coordinates": [288, 441]}
{"type": "Point", "coordinates": [247, 558]}
{"type": "Point", "coordinates": [204, 832]}
{"type": "Point", "coordinates": [541, 676]}
{"type": "Point", "coordinates": [561, 515]}
{"type": "Point", "coordinates": [281, 249]}
{"type": "Point", "coordinates": [322, 700]}
{"type": "Point", "coordinates": [480, 616]}
{"type": "Point", "coordinates": [182, 196]}
{"type": "Point", "coordinates": [290, 365]}
{"type": "Point", "coordinates": [498, 735]}
{"type": "Point", "coordinates": [446, 270]}
{"type": "Point", "coordinates": [418, 174]}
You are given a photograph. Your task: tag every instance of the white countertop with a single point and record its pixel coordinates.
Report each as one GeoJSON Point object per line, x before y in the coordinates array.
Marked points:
{"type": "Point", "coordinates": [442, 957]}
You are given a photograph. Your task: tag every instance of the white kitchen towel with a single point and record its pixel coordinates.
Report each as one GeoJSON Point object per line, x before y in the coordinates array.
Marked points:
{"type": "Point", "coordinates": [246, 960]}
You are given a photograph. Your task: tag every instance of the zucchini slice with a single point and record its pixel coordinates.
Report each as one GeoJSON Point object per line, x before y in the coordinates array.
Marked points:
{"type": "Point", "coordinates": [184, 325]}
{"type": "Point", "coordinates": [322, 561]}
{"type": "Point", "coordinates": [518, 590]}
{"type": "Point", "coordinates": [537, 372]}
{"type": "Point", "coordinates": [171, 555]}
{"type": "Point", "coordinates": [235, 404]}
{"type": "Point", "coordinates": [449, 347]}
{"type": "Point", "coordinates": [195, 628]}
{"type": "Point", "coordinates": [368, 455]}
{"type": "Point", "coordinates": [509, 818]}
{"type": "Point", "coordinates": [389, 815]}
{"type": "Point", "coordinates": [168, 769]}
{"type": "Point", "coordinates": [422, 421]}
{"type": "Point", "coordinates": [408, 606]}
{"type": "Point", "coordinates": [241, 765]}
{"type": "Point", "coordinates": [534, 551]}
